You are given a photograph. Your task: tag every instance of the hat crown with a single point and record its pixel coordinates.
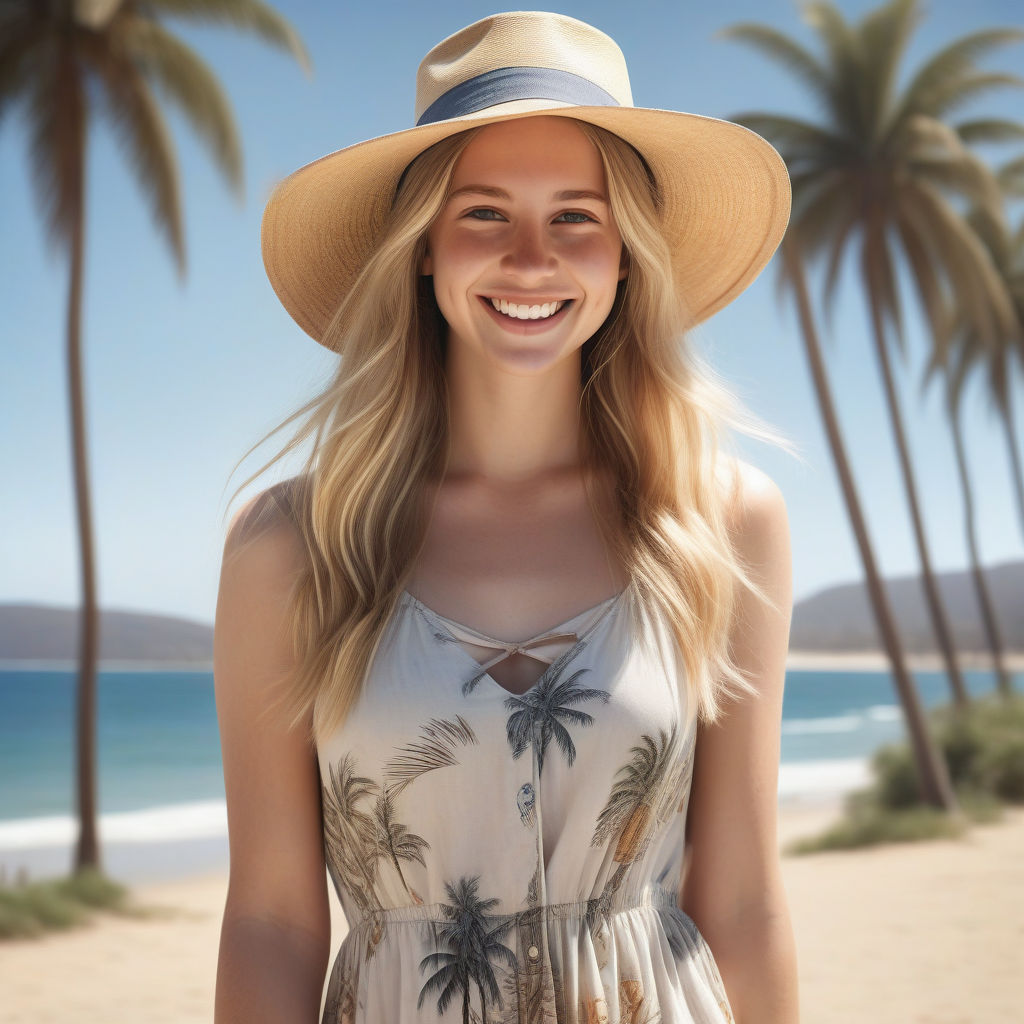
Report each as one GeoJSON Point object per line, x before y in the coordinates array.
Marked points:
{"type": "Point", "coordinates": [523, 39]}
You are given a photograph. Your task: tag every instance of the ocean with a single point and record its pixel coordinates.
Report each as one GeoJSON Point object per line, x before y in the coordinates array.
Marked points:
{"type": "Point", "coordinates": [161, 789]}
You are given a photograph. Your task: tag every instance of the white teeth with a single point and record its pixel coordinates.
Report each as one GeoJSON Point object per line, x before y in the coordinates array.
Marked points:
{"type": "Point", "coordinates": [524, 312]}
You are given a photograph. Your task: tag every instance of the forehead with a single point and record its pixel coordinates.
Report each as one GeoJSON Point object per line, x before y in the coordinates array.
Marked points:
{"type": "Point", "coordinates": [531, 151]}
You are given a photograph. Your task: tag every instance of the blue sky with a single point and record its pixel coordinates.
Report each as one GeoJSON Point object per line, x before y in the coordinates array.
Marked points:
{"type": "Point", "coordinates": [182, 377]}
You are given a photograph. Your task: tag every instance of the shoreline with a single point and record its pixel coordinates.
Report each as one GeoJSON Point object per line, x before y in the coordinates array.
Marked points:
{"type": "Point", "coordinates": [878, 661]}
{"type": "Point", "coordinates": [153, 846]}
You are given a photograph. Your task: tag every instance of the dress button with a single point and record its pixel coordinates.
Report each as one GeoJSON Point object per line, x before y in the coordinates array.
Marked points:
{"type": "Point", "coordinates": [533, 952]}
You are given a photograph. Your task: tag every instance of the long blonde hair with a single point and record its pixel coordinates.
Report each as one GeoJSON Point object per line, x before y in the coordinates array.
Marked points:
{"type": "Point", "coordinates": [652, 413]}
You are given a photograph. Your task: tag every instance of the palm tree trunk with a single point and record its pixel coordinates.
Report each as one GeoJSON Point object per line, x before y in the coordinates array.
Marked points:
{"type": "Point", "coordinates": [1015, 460]}
{"type": "Point", "coordinates": [87, 853]}
{"type": "Point", "coordinates": [932, 774]}
{"type": "Point", "coordinates": [985, 604]}
{"type": "Point", "coordinates": [483, 1002]}
{"type": "Point", "coordinates": [936, 609]}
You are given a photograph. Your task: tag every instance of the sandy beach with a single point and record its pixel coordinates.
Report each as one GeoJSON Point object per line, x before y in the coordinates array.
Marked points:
{"type": "Point", "coordinates": [929, 933]}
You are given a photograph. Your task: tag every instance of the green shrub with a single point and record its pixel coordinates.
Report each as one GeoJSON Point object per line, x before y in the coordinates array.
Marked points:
{"type": "Point", "coordinates": [92, 888]}
{"type": "Point", "coordinates": [984, 752]}
{"type": "Point", "coordinates": [32, 908]}
{"type": "Point", "coordinates": [983, 748]}
{"type": "Point", "coordinates": [871, 824]}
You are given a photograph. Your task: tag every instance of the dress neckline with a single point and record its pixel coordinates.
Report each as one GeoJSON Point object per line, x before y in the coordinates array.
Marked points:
{"type": "Point", "coordinates": [452, 628]}
{"type": "Point", "coordinates": [559, 627]}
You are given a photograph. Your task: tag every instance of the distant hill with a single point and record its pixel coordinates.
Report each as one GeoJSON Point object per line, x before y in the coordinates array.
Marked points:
{"type": "Point", "coordinates": [839, 618]}
{"type": "Point", "coordinates": [835, 619]}
{"type": "Point", "coordinates": [39, 632]}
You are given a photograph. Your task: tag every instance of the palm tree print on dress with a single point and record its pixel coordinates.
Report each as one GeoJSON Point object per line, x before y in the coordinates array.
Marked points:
{"type": "Point", "coordinates": [435, 750]}
{"type": "Point", "coordinates": [397, 841]}
{"type": "Point", "coordinates": [340, 1007]}
{"type": "Point", "coordinates": [538, 713]}
{"type": "Point", "coordinates": [470, 939]}
{"type": "Point", "coordinates": [640, 800]}
{"type": "Point", "coordinates": [634, 1007]}
{"type": "Point", "coordinates": [355, 841]}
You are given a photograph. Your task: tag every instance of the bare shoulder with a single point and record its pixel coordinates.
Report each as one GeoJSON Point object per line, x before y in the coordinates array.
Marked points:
{"type": "Point", "coordinates": [265, 530]}
{"type": "Point", "coordinates": [755, 510]}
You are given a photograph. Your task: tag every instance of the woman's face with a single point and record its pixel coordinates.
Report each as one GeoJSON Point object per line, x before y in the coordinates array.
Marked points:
{"type": "Point", "coordinates": [525, 254]}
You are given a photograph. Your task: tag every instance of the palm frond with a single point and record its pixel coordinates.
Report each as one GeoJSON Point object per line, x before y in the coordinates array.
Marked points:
{"type": "Point", "coordinates": [1011, 178]}
{"type": "Point", "coordinates": [189, 82]}
{"type": "Point", "coordinates": [930, 86]}
{"type": "Point", "coordinates": [253, 15]}
{"type": "Point", "coordinates": [799, 142]}
{"type": "Point", "coordinates": [976, 284]}
{"type": "Point", "coordinates": [956, 92]}
{"type": "Point", "coordinates": [880, 282]}
{"type": "Point", "coordinates": [142, 133]}
{"type": "Point", "coordinates": [835, 31]}
{"type": "Point", "coordinates": [937, 153]}
{"type": "Point", "coordinates": [22, 53]}
{"type": "Point", "coordinates": [779, 47]}
{"type": "Point", "coordinates": [967, 358]}
{"type": "Point", "coordinates": [843, 228]}
{"type": "Point", "coordinates": [846, 62]}
{"type": "Point", "coordinates": [58, 120]}
{"type": "Point", "coordinates": [989, 130]}
{"type": "Point", "coordinates": [1018, 241]}
{"type": "Point", "coordinates": [930, 290]}
{"type": "Point", "coordinates": [882, 36]}
{"type": "Point", "coordinates": [817, 213]}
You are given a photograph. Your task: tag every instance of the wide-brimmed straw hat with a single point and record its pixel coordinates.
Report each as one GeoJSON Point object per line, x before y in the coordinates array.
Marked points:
{"type": "Point", "coordinates": [724, 190]}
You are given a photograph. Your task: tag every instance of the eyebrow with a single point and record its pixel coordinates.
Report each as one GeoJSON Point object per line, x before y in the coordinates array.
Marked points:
{"type": "Point", "coordinates": [500, 193]}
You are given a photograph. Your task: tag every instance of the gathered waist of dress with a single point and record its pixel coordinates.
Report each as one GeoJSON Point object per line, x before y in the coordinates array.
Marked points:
{"type": "Point", "coordinates": [652, 895]}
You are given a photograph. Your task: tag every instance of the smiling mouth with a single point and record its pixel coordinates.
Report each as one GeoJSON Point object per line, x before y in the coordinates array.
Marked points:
{"type": "Point", "coordinates": [524, 311]}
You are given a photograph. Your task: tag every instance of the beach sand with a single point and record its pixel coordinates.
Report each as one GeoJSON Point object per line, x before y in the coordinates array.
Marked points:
{"type": "Point", "coordinates": [924, 933]}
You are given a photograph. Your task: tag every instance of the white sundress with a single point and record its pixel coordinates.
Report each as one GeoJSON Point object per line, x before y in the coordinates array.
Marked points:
{"type": "Point", "coordinates": [506, 857]}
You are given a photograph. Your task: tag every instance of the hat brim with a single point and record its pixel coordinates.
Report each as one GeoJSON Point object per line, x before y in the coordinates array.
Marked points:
{"type": "Point", "coordinates": [725, 192]}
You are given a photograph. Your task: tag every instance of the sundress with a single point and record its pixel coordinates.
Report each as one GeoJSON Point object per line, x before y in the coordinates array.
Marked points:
{"type": "Point", "coordinates": [505, 857]}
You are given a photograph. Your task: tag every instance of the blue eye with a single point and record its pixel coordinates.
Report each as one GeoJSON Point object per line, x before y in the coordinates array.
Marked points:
{"type": "Point", "coordinates": [576, 213]}
{"type": "Point", "coordinates": [483, 210]}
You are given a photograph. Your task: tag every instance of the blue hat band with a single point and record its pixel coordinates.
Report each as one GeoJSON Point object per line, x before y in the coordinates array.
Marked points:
{"type": "Point", "coordinates": [502, 85]}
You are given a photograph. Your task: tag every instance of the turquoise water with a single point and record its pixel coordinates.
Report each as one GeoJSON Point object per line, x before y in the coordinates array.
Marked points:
{"type": "Point", "coordinates": [158, 744]}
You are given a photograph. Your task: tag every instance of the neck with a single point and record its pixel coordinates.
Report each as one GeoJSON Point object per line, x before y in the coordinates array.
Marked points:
{"type": "Point", "coordinates": [510, 428]}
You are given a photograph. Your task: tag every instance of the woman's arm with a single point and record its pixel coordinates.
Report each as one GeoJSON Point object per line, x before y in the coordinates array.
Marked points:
{"type": "Point", "coordinates": [732, 884]}
{"type": "Point", "coordinates": [275, 936]}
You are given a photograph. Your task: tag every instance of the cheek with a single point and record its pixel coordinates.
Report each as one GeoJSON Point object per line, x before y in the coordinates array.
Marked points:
{"type": "Point", "coordinates": [455, 252]}
{"type": "Point", "coordinates": [598, 259]}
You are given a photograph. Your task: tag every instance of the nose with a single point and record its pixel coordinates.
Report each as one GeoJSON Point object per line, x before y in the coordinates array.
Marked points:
{"type": "Point", "coordinates": [529, 256]}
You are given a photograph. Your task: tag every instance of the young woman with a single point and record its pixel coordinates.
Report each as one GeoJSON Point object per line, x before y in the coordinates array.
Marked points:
{"type": "Point", "coordinates": [507, 657]}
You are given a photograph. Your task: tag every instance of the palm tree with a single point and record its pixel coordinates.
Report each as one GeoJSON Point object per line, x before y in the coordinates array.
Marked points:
{"type": "Point", "coordinates": [883, 168]}
{"type": "Point", "coordinates": [1006, 249]}
{"type": "Point", "coordinates": [396, 841]}
{"type": "Point", "coordinates": [52, 54]}
{"type": "Point", "coordinates": [640, 800]}
{"type": "Point", "coordinates": [932, 772]}
{"type": "Point", "coordinates": [350, 832]}
{"type": "Point", "coordinates": [469, 943]}
{"type": "Point", "coordinates": [971, 349]}
{"type": "Point", "coordinates": [538, 713]}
